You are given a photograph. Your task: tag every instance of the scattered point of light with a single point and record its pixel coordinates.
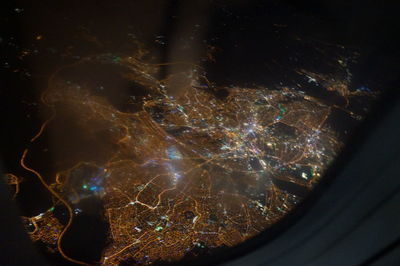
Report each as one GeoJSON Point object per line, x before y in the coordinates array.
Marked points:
{"type": "Point", "coordinates": [177, 176]}
{"type": "Point", "coordinates": [304, 175]}
{"type": "Point", "coordinates": [158, 228]}
{"type": "Point", "coordinates": [312, 171]}
{"type": "Point", "coordinates": [39, 216]}
{"type": "Point", "coordinates": [173, 153]}
{"type": "Point", "coordinates": [225, 147]}
{"type": "Point", "coordinates": [311, 79]}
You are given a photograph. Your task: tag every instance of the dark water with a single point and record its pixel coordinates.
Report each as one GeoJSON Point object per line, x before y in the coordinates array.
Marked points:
{"type": "Point", "coordinates": [88, 234]}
